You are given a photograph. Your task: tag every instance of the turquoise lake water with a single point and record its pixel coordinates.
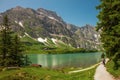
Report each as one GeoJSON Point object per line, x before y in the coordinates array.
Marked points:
{"type": "Point", "coordinates": [65, 60]}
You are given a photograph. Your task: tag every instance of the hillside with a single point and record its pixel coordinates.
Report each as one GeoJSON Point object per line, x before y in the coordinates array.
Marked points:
{"type": "Point", "coordinates": [45, 30]}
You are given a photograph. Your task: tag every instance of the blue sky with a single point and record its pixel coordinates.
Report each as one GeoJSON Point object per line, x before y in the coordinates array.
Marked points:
{"type": "Point", "coordinates": [78, 12]}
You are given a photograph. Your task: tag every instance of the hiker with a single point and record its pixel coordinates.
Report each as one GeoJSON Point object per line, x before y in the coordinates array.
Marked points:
{"type": "Point", "coordinates": [103, 61]}
{"type": "Point", "coordinates": [103, 58]}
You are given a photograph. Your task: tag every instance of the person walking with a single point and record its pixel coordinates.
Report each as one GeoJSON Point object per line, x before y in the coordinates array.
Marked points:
{"type": "Point", "coordinates": [103, 61]}
{"type": "Point", "coordinates": [103, 58]}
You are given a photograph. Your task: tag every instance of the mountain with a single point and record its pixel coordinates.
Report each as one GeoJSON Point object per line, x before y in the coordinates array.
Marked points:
{"type": "Point", "coordinates": [49, 29]}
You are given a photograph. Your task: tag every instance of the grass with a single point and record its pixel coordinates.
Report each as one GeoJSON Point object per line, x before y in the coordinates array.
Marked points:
{"type": "Point", "coordinates": [33, 46]}
{"type": "Point", "coordinates": [33, 73]}
{"type": "Point", "coordinates": [86, 75]}
{"type": "Point", "coordinates": [115, 73]}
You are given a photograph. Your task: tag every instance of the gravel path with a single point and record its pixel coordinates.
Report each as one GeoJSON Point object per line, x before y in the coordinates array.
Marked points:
{"type": "Point", "coordinates": [75, 71]}
{"type": "Point", "coordinates": [102, 74]}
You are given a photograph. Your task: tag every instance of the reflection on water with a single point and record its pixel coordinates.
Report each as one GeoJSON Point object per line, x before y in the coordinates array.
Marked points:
{"type": "Point", "coordinates": [65, 60]}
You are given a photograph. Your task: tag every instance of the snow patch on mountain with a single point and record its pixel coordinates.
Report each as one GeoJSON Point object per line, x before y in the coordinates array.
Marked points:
{"type": "Point", "coordinates": [52, 18]}
{"type": "Point", "coordinates": [29, 36]}
{"type": "Point", "coordinates": [16, 22]}
{"type": "Point", "coordinates": [20, 23]}
{"type": "Point", "coordinates": [42, 40]}
{"type": "Point", "coordinates": [95, 35]}
{"type": "Point", "coordinates": [54, 40]}
{"type": "Point", "coordinates": [41, 13]}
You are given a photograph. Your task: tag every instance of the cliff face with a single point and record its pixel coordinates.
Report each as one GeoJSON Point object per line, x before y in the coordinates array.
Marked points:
{"type": "Point", "coordinates": [43, 24]}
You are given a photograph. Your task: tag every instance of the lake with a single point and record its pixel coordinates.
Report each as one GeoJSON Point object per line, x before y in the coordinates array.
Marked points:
{"type": "Point", "coordinates": [65, 60]}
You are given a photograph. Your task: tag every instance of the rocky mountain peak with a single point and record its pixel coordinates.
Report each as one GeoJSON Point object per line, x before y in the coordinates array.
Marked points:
{"type": "Point", "coordinates": [88, 27]}
{"type": "Point", "coordinates": [42, 23]}
{"type": "Point", "coordinates": [18, 8]}
{"type": "Point", "coordinates": [50, 14]}
{"type": "Point", "coordinates": [46, 12]}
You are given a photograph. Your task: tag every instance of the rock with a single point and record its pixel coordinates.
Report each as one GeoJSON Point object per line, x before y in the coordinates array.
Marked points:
{"type": "Point", "coordinates": [36, 65]}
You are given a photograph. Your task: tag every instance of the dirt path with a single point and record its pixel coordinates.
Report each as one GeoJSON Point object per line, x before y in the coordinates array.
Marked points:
{"type": "Point", "coordinates": [102, 74]}
{"type": "Point", "coordinates": [75, 71]}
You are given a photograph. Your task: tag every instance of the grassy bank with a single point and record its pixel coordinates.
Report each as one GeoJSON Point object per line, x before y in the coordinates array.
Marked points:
{"type": "Point", "coordinates": [33, 46]}
{"type": "Point", "coordinates": [32, 73]}
{"type": "Point", "coordinates": [115, 73]}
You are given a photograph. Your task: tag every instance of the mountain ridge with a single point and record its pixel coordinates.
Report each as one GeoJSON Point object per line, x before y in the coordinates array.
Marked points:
{"type": "Point", "coordinates": [45, 25]}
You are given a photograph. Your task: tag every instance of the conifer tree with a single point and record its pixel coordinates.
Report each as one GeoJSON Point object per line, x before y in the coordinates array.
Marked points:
{"type": "Point", "coordinates": [11, 48]}
{"type": "Point", "coordinates": [5, 42]}
{"type": "Point", "coordinates": [17, 52]}
{"type": "Point", "coordinates": [109, 24]}
{"type": "Point", "coordinates": [26, 61]}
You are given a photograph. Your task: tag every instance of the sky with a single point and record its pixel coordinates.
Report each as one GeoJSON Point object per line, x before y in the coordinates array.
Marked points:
{"type": "Point", "coordinates": [77, 12]}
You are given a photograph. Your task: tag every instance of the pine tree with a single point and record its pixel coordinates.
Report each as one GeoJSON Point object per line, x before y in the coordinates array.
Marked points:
{"type": "Point", "coordinates": [26, 61]}
{"type": "Point", "coordinates": [5, 42]}
{"type": "Point", "coordinates": [11, 49]}
{"type": "Point", "coordinates": [109, 24]}
{"type": "Point", "coordinates": [17, 52]}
